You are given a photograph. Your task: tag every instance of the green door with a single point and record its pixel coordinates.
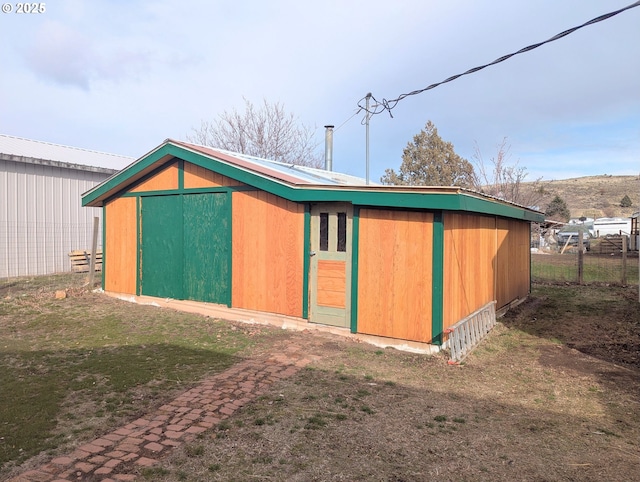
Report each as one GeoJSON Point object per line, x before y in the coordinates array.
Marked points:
{"type": "Point", "coordinates": [207, 247]}
{"type": "Point", "coordinates": [161, 247]}
{"type": "Point", "coordinates": [186, 247]}
{"type": "Point", "coordinates": [330, 267]}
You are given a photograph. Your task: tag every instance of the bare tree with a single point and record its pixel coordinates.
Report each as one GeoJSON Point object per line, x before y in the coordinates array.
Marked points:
{"type": "Point", "coordinates": [267, 131]}
{"type": "Point", "coordinates": [506, 180]}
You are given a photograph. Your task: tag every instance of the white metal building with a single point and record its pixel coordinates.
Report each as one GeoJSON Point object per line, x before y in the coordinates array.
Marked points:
{"type": "Point", "coordinates": [41, 216]}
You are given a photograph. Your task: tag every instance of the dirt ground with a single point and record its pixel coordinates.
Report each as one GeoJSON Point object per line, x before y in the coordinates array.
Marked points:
{"type": "Point", "coordinates": [553, 394]}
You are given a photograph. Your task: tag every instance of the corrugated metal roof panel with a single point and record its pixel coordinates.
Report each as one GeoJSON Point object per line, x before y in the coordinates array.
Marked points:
{"type": "Point", "coordinates": [20, 147]}
{"type": "Point", "coordinates": [290, 173]}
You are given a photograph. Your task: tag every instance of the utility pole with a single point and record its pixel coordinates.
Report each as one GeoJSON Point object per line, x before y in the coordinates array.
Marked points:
{"type": "Point", "coordinates": [368, 97]}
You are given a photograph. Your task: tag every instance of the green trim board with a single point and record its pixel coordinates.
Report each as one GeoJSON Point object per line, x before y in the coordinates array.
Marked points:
{"type": "Point", "coordinates": [355, 239]}
{"type": "Point", "coordinates": [306, 261]}
{"type": "Point", "coordinates": [456, 200]}
{"type": "Point", "coordinates": [198, 190]}
{"type": "Point", "coordinates": [437, 293]}
{"type": "Point", "coordinates": [138, 246]}
{"type": "Point", "coordinates": [104, 248]}
{"type": "Point", "coordinates": [181, 174]}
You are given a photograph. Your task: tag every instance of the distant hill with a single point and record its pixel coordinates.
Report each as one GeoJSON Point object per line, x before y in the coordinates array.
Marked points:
{"type": "Point", "coordinates": [594, 196]}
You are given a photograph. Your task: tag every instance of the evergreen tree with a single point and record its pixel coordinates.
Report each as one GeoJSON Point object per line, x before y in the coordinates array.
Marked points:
{"type": "Point", "coordinates": [558, 210]}
{"type": "Point", "coordinates": [626, 202]}
{"type": "Point", "coordinates": [430, 161]}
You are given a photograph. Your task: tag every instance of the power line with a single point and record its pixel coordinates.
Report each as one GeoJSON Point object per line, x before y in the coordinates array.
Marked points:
{"type": "Point", "coordinates": [388, 105]}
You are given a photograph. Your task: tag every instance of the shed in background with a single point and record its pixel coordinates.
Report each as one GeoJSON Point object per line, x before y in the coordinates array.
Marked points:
{"type": "Point", "coordinates": [41, 215]}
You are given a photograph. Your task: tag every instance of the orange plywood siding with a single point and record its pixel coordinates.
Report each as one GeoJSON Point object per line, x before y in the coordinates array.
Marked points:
{"type": "Point", "coordinates": [395, 274]}
{"type": "Point", "coordinates": [120, 246]}
{"type": "Point", "coordinates": [512, 266]}
{"type": "Point", "coordinates": [165, 179]}
{"type": "Point", "coordinates": [331, 283]}
{"type": "Point", "coordinates": [196, 176]}
{"type": "Point", "coordinates": [268, 250]}
{"type": "Point", "coordinates": [469, 260]}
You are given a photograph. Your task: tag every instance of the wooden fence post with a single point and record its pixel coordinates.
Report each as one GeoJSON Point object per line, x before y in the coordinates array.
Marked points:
{"type": "Point", "coordinates": [94, 249]}
{"type": "Point", "coordinates": [624, 260]}
{"type": "Point", "coordinates": [580, 258]}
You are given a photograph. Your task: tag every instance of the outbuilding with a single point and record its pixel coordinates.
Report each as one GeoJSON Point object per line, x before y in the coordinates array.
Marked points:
{"type": "Point", "coordinates": [188, 222]}
{"type": "Point", "coordinates": [41, 218]}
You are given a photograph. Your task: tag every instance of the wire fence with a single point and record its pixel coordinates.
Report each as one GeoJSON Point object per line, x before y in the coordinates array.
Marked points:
{"type": "Point", "coordinates": [29, 249]}
{"type": "Point", "coordinates": [592, 266]}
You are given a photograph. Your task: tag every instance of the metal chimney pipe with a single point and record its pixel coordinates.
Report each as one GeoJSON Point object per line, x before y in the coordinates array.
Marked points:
{"type": "Point", "coordinates": [328, 148]}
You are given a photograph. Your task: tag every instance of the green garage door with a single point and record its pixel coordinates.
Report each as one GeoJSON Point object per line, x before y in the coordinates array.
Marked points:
{"type": "Point", "coordinates": [185, 249]}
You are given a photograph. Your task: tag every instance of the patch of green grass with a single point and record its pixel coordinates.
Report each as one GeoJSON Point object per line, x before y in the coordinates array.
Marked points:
{"type": "Point", "coordinates": [459, 420]}
{"type": "Point", "coordinates": [315, 422]}
{"type": "Point", "coordinates": [440, 418]}
{"type": "Point", "coordinates": [194, 450]}
{"type": "Point", "coordinates": [153, 473]}
{"type": "Point", "coordinates": [367, 409]}
{"type": "Point", "coordinates": [107, 354]}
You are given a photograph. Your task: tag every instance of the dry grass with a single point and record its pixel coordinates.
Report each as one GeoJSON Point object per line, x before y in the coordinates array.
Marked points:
{"type": "Point", "coordinates": [594, 196]}
{"type": "Point", "coordinates": [524, 406]}
{"type": "Point", "coordinates": [552, 394]}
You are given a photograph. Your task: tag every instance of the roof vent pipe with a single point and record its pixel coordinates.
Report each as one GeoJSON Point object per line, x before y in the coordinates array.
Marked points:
{"type": "Point", "coordinates": [328, 148]}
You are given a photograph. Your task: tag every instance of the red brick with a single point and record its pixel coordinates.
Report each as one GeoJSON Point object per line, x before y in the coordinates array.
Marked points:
{"type": "Point", "coordinates": [154, 447]}
{"type": "Point", "coordinates": [123, 431]}
{"type": "Point", "coordinates": [98, 459]}
{"type": "Point", "coordinates": [176, 428]}
{"type": "Point", "coordinates": [85, 467]}
{"type": "Point", "coordinates": [172, 434]}
{"type": "Point", "coordinates": [63, 461]}
{"type": "Point", "coordinates": [116, 454]}
{"type": "Point", "coordinates": [112, 463]}
{"type": "Point", "coordinates": [114, 437]}
{"type": "Point", "coordinates": [103, 442]}
{"type": "Point", "coordinates": [130, 457]}
{"type": "Point", "coordinates": [79, 454]}
{"type": "Point", "coordinates": [141, 422]}
{"type": "Point", "coordinates": [103, 471]}
{"type": "Point", "coordinates": [128, 448]}
{"type": "Point", "coordinates": [226, 410]}
{"type": "Point", "coordinates": [132, 441]}
{"type": "Point", "coordinates": [146, 462]}
{"type": "Point", "coordinates": [152, 437]}
{"type": "Point", "coordinates": [172, 443]}
{"type": "Point", "coordinates": [125, 477]}
{"type": "Point", "coordinates": [195, 430]}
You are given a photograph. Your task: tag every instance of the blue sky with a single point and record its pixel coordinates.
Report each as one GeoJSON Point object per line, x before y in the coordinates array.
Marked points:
{"type": "Point", "coordinates": [122, 76]}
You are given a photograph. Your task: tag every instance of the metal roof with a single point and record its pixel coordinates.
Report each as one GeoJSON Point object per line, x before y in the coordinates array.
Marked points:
{"type": "Point", "coordinates": [300, 184]}
{"type": "Point", "coordinates": [280, 170]}
{"type": "Point", "coordinates": [34, 152]}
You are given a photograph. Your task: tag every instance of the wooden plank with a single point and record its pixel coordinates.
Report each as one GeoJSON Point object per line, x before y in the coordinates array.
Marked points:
{"type": "Point", "coordinates": [163, 180]}
{"type": "Point", "coordinates": [197, 177]}
{"type": "Point", "coordinates": [267, 258]}
{"type": "Point", "coordinates": [120, 245]}
{"type": "Point", "coordinates": [331, 282]}
{"type": "Point", "coordinates": [395, 274]}
{"type": "Point", "coordinates": [469, 264]}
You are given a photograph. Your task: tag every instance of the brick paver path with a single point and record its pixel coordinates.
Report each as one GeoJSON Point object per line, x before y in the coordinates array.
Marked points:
{"type": "Point", "coordinates": [116, 456]}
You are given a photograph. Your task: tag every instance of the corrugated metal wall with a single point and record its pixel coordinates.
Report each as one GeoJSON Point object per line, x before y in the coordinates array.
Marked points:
{"type": "Point", "coordinates": [42, 218]}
